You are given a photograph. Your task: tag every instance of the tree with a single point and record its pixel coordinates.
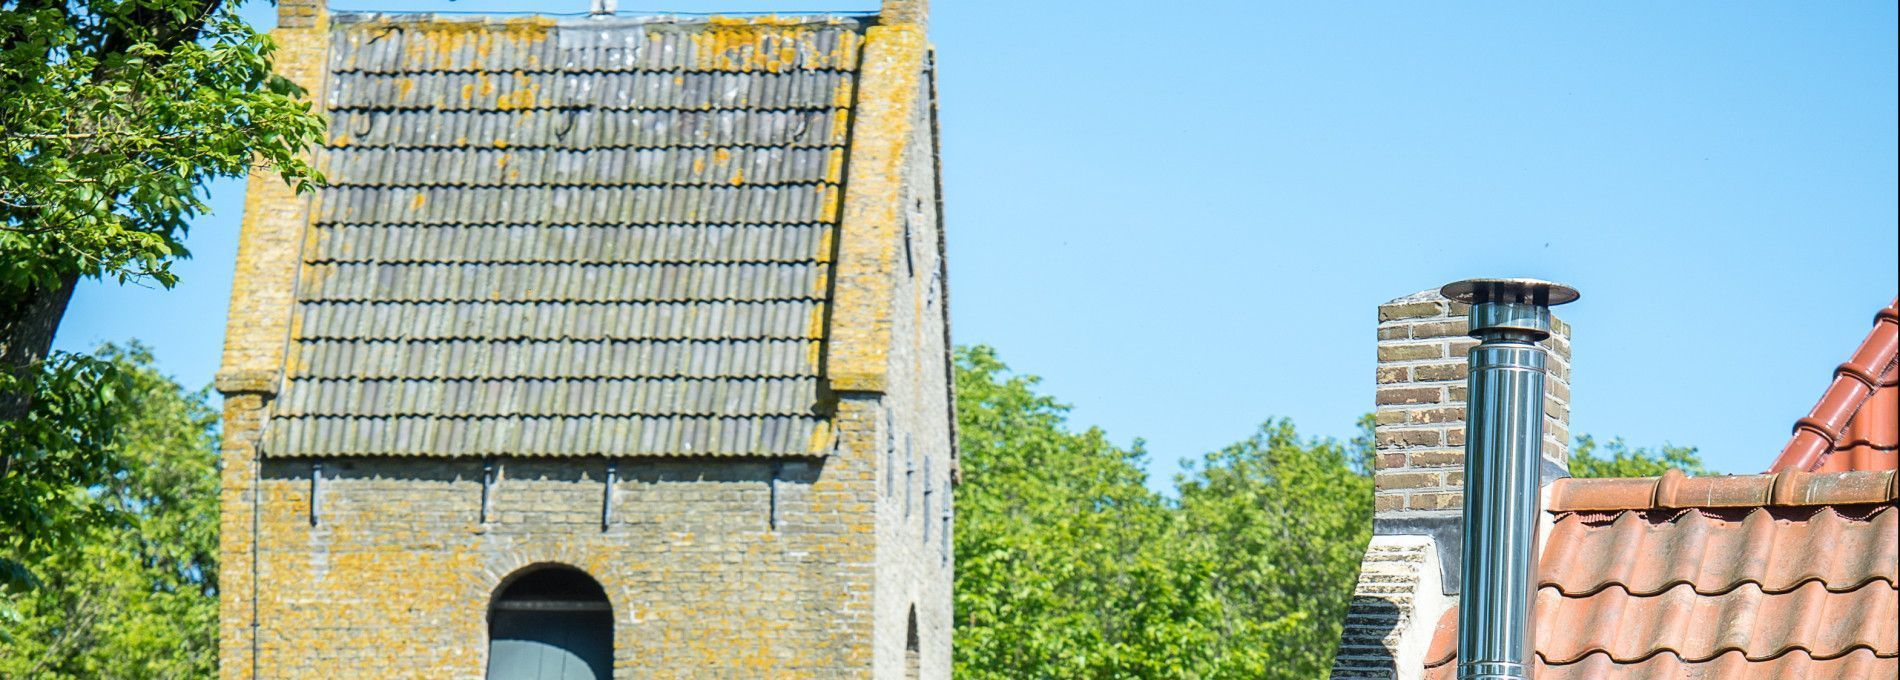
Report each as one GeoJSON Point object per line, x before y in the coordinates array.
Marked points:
{"type": "Point", "coordinates": [133, 594]}
{"type": "Point", "coordinates": [59, 449]}
{"type": "Point", "coordinates": [1068, 566]}
{"type": "Point", "coordinates": [1279, 523]}
{"type": "Point", "coordinates": [1624, 461]}
{"type": "Point", "coordinates": [1058, 568]}
{"type": "Point", "coordinates": [113, 116]}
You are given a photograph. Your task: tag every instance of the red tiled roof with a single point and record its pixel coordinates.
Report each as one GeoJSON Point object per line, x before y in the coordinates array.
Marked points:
{"type": "Point", "coordinates": [1856, 424]}
{"type": "Point", "coordinates": [1791, 575]}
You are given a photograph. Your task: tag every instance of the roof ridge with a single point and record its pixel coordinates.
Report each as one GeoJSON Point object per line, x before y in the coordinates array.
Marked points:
{"type": "Point", "coordinates": [586, 20]}
{"type": "Point", "coordinates": [1872, 365]}
{"type": "Point", "coordinates": [1676, 490]}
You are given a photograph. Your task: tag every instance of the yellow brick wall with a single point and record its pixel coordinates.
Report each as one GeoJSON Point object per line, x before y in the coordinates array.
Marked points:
{"type": "Point", "coordinates": [914, 564]}
{"type": "Point", "coordinates": [275, 218]}
{"type": "Point", "coordinates": [395, 577]}
{"type": "Point", "coordinates": [746, 568]}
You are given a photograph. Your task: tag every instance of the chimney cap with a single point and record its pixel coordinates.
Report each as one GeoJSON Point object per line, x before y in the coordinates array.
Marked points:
{"type": "Point", "coordinates": [1474, 291]}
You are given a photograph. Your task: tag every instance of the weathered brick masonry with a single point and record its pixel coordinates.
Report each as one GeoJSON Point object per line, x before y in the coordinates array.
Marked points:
{"type": "Point", "coordinates": [372, 504]}
{"type": "Point", "coordinates": [1408, 577]}
{"type": "Point", "coordinates": [1420, 404]}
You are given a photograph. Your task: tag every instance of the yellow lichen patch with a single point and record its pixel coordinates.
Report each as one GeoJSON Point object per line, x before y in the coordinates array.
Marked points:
{"type": "Point", "coordinates": [834, 165]}
{"type": "Point", "coordinates": [816, 327]}
{"type": "Point", "coordinates": [768, 43]}
{"type": "Point", "coordinates": [699, 165]}
{"type": "Point", "coordinates": [824, 246]}
{"type": "Point", "coordinates": [738, 177]}
{"type": "Point", "coordinates": [821, 283]}
{"type": "Point", "coordinates": [416, 203]}
{"type": "Point", "coordinates": [522, 97]}
{"type": "Point", "coordinates": [437, 44]}
{"type": "Point", "coordinates": [849, 47]}
{"type": "Point", "coordinates": [821, 434]}
{"type": "Point", "coordinates": [404, 86]}
{"type": "Point", "coordinates": [829, 211]}
{"type": "Point", "coordinates": [841, 95]}
{"type": "Point", "coordinates": [840, 126]}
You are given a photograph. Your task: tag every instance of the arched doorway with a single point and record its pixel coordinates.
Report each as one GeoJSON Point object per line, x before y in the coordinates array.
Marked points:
{"type": "Point", "coordinates": [550, 623]}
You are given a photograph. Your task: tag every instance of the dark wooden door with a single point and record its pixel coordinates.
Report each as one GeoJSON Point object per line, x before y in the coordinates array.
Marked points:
{"type": "Point", "coordinates": [531, 644]}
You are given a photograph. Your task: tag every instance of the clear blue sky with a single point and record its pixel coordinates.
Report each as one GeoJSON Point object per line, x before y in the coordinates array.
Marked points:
{"type": "Point", "coordinates": [1184, 217]}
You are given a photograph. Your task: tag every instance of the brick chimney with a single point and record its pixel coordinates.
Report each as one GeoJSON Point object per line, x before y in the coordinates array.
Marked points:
{"type": "Point", "coordinates": [302, 14]}
{"type": "Point", "coordinates": [1409, 575]}
{"type": "Point", "coordinates": [1420, 412]}
{"type": "Point", "coordinates": [904, 12]}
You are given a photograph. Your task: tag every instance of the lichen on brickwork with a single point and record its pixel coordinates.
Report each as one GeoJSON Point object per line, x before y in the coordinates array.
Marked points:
{"type": "Point", "coordinates": [795, 564]}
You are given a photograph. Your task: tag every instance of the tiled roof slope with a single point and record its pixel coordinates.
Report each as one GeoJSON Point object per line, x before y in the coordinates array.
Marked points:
{"type": "Point", "coordinates": [1856, 424]}
{"type": "Point", "coordinates": [1780, 576]}
{"type": "Point", "coordinates": [574, 237]}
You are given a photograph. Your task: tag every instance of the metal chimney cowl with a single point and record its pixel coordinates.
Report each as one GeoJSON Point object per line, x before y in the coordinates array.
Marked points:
{"type": "Point", "coordinates": [1504, 434]}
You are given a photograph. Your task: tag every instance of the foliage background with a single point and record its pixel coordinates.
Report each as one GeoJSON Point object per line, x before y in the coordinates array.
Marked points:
{"type": "Point", "coordinates": [1069, 566]}
{"type": "Point", "coordinates": [132, 592]}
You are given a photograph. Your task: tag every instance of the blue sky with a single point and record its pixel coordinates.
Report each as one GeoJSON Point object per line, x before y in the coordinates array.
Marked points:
{"type": "Point", "coordinates": [1185, 218]}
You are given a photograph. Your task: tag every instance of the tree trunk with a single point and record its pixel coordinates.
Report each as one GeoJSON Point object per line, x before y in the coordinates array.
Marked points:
{"type": "Point", "coordinates": [27, 323]}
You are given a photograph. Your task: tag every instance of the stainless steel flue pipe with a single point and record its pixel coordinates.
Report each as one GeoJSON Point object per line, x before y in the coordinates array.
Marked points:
{"type": "Point", "coordinates": [1504, 436]}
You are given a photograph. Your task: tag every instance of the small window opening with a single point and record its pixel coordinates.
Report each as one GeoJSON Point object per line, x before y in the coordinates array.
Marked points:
{"type": "Point", "coordinates": [928, 491]}
{"type": "Point", "coordinates": [913, 660]}
{"type": "Point", "coordinates": [890, 455]}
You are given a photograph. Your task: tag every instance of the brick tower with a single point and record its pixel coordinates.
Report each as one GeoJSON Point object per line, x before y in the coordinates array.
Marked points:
{"type": "Point", "coordinates": [615, 346]}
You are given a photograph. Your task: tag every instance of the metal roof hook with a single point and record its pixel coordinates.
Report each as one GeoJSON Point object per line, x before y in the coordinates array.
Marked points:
{"type": "Point", "coordinates": [604, 8]}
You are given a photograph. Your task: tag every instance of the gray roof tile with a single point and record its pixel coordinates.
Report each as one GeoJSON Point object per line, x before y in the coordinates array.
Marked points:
{"type": "Point", "coordinates": [570, 238]}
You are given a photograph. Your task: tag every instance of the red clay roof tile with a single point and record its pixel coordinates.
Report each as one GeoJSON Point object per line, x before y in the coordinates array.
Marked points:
{"type": "Point", "coordinates": [1872, 438]}
{"type": "Point", "coordinates": [1649, 552]}
{"type": "Point", "coordinates": [1796, 665]}
{"type": "Point", "coordinates": [1767, 576]}
{"type": "Point", "coordinates": [1853, 426]}
{"type": "Point", "coordinates": [1696, 627]}
{"type": "Point", "coordinates": [1627, 628]}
